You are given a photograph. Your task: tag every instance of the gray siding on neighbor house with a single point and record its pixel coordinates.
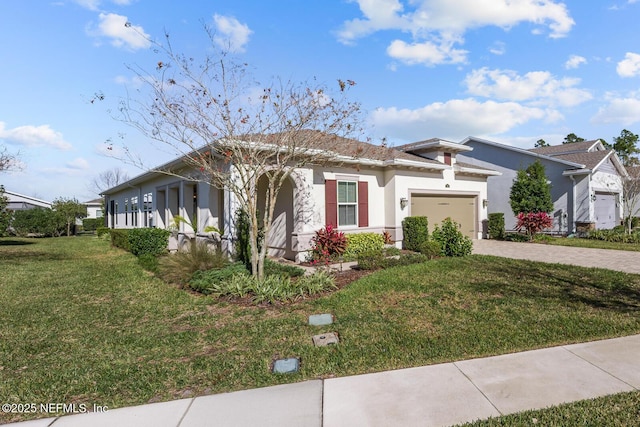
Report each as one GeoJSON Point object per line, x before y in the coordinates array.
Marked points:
{"type": "Point", "coordinates": [508, 162]}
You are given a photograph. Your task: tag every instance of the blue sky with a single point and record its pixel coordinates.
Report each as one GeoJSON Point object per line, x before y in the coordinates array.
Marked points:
{"type": "Point", "coordinates": [512, 71]}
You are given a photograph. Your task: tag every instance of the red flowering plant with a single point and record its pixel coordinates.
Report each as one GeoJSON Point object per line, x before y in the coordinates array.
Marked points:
{"type": "Point", "coordinates": [534, 222]}
{"type": "Point", "coordinates": [327, 245]}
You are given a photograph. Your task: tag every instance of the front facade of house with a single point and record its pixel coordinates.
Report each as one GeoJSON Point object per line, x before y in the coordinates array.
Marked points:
{"type": "Point", "coordinates": [586, 181]}
{"type": "Point", "coordinates": [369, 194]}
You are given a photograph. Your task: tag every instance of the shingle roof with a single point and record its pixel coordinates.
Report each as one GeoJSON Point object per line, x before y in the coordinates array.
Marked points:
{"type": "Point", "coordinates": [590, 160]}
{"type": "Point", "coordinates": [347, 147]}
{"type": "Point", "coordinates": [554, 150]}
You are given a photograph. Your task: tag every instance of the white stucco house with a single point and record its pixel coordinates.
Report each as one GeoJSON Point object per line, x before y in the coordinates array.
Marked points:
{"type": "Point", "coordinates": [372, 191]}
{"type": "Point", "coordinates": [94, 208]}
{"type": "Point", "coordinates": [585, 177]}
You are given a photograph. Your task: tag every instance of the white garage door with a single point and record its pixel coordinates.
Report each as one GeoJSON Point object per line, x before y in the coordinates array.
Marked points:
{"type": "Point", "coordinates": [605, 209]}
{"type": "Point", "coordinates": [461, 209]}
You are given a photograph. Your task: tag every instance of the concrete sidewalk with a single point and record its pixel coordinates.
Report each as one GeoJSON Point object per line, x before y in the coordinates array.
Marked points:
{"type": "Point", "coordinates": [436, 395]}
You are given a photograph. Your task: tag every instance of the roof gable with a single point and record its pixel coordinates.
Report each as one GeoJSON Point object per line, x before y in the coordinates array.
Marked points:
{"type": "Point", "coordinates": [574, 147]}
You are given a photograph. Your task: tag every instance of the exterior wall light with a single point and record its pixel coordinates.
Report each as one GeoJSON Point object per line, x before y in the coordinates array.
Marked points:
{"type": "Point", "coordinates": [485, 203]}
{"type": "Point", "coordinates": [403, 202]}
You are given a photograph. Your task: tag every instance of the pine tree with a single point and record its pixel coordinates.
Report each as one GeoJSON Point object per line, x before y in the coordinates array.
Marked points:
{"type": "Point", "coordinates": [531, 191]}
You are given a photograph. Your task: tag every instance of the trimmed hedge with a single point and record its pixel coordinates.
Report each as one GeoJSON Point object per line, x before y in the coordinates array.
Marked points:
{"type": "Point", "coordinates": [101, 231]}
{"type": "Point", "coordinates": [496, 226]}
{"type": "Point", "coordinates": [359, 243]}
{"type": "Point", "coordinates": [91, 224]}
{"type": "Point", "coordinates": [152, 241]}
{"type": "Point", "coordinates": [416, 231]}
{"type": "Point", "coordinates": [120, 238]}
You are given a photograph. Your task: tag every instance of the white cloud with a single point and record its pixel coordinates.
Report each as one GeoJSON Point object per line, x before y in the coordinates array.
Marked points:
{"type": "Point", "coordinates": [233, 34]}
{"type": "Point", "coordinates": [454, 119]}
{"type": "Point", "coordinates": [629, 66]}
{"type": "Point", "coordinates": [621, 110]}
{"type": "Point", "coordinates": [535, 87]}
{"type": "Point", "coordinates": [78, 164]}
{"type": "Point", "coordinates": [498, 48]}
{"type": "Point", "coordinates": [444, 22]}
{"type": "Point", "coordinates": [121, 32]}
{"type": "Point", "coordinates": [575, 61]}
{"type": "Point", "coordinates": [95, 4]}
{"type": "Point", "coordinates": [427, 53]}
{"type": "Point", "coordinates": [34, 136]}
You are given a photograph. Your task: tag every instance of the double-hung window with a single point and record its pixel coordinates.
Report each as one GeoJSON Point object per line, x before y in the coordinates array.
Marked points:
{"type": "Point", "coordinates": [347, 203]}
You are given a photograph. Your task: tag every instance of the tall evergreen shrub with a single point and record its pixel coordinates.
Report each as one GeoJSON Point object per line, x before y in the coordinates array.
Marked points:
{"type": "Point", "coordinates": [415, 230]}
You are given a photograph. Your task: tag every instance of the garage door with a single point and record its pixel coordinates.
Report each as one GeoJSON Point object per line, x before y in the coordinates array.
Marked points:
{"type": "Point", "coordinates": [462, 209]}
{"type": "Point", "coordinates": [605, 209]}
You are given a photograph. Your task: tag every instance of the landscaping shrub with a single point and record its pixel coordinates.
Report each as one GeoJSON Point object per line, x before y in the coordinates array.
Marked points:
{"type": "Point", "coordinates": [431, 249]}
{"type": "Point", "coordinates": [452, 241]}
{"type": "Point", "coordinates": [416, 231]}
{"type": "Point", "coordinates": [179, 267]}
{"type": "Point", "coordinates": [533, 222]}
{"type": "Point", "coordinates": [496, 226]}
{"type": "Point", "coordinates": [152, 241]}
{"type": "Point", "coordinates": [277, 268]}
{"type": "Point", "coordinates": [516, 237]}
{"type": "Point", "coordinates": [120, 238]}
{"type": "Point", "coordinates": [371, 260]}
{"type": "Point", "coordinates": [318, 282]}
{"type": "Point", "coordinates": [101, 231]}
{"type": "Point", "coordinates": [391, 251]}
{"type": "Point", "coordinates": [405, 259]}
{"type": "Point", "coordinates": [38, 221]}
{"type": "Point", "coordinates": [214, 281]}
{"type": "Point", "coordinates": [327, 245]}
{"type": "Point", "coordinates": [91, 224]}
{"type": "Point", "coordinates": [243, 243]}
{"type": "Point", "coordinates": [362, 242]}
{"type": "Point", "coordinates": [614, 236]}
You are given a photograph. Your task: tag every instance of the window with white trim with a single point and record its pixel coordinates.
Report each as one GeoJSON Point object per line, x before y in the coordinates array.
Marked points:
{"type": "Point", "coordinates": [347, 203]}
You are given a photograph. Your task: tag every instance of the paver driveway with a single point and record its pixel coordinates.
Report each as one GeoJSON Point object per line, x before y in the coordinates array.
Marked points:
{"type": "Point", "coordinates": [626, 261]}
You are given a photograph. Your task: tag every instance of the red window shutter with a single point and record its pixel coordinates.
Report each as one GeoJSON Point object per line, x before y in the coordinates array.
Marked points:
{"type": "Point", "coordinates": [331, 202]}
{"type": "Point", "coordinates": [363, 204]}
{"type": "Point", "coordinates": [447, 159]}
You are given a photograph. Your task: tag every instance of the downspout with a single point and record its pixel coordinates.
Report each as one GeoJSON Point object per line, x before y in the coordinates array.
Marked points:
{"type": "Point", "coordinates": [573, 205]}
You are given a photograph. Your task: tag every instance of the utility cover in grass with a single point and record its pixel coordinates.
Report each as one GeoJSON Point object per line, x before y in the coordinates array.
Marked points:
{"type": "Point", "coordinates": [320, 319]}
{"type": "Point", "coordinates": [323, 340]}
{"type": "Point", "coordinates": [286, 366]}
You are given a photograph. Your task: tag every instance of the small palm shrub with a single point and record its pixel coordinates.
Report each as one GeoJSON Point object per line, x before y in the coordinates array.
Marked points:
{"type": "Point", "coordinates": [451, 239]}
{"type": "Point", "coordinates": [179, 267]}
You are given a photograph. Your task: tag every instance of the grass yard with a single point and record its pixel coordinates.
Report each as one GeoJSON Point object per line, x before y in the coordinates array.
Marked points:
{"type": "Point", "coordinates": [590, 243]}
{"type": "Point", "coordinates": [83, 323]}
{"type": "Point", "coordinates": [619, 410]}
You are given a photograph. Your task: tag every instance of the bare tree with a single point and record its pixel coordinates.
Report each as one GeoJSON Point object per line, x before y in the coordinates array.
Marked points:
{"type": "Point", "coordinates": [231, 131]}
{"type": "Point", "coordinates": [631, 198]}
{"type": "Point", "coordinates": [108, 179]}
{"type": "Point", "coordinates": [8, 160]}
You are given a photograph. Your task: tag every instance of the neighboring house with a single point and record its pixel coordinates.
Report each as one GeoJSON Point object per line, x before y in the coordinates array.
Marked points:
{"type": "Point", "coordinates": [94, 208]}
{"type": "Point", "coordinates": [368, 188]}
{"type": "Point", "coordinates": [18, 202]}
{"type": "Point", "coordinates": [585, 177]}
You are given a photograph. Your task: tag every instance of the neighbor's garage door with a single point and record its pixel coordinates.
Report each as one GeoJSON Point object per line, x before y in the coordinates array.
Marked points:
{"type": "Point", "coordinates": [462, 209]}
{"type": "Point", "coordinates": [605, 208]}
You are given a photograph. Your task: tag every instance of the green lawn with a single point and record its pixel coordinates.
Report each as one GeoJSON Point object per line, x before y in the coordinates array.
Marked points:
{"type": "Point", "coordinates": [590, 243]}
{"type": "Point", "coordinates": [618, 410]}
{"type": "Point", "coordinates": [83, 323]}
